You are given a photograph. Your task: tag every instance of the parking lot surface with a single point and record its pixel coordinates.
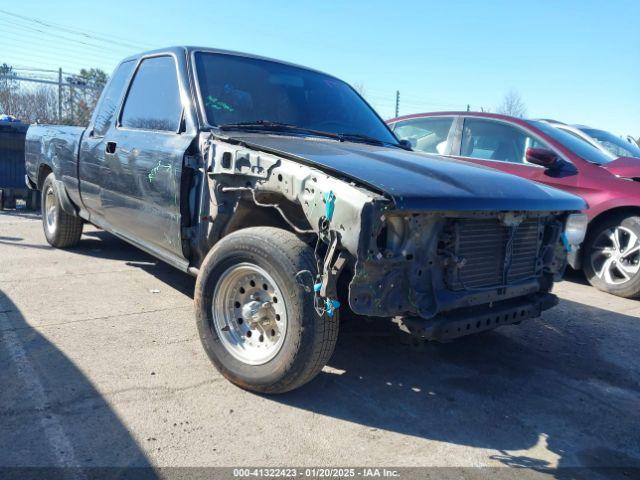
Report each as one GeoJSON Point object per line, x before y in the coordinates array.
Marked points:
{"type": "Point", "coordinates": [101, 365]}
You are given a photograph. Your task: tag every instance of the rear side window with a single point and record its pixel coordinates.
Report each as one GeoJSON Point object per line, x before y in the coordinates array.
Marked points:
{"type": "Point", "coordinates": [153, 102]}
{"type": "Point", "coordinates": [490, 140]}
{"type": "Point", "coordinates": [425, 134]}
{"type": "Point", "coordinates": [110, 99]}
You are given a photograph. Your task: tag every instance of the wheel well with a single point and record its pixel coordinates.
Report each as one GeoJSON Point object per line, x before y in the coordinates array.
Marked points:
{"type": "Point", "coordinates": [43, 172]}
{"type": "Point", "coordinates": [618, 211]}
{"type": "Point", "coordinates": [248, 214]}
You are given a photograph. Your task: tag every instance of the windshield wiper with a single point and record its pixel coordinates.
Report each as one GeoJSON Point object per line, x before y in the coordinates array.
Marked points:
{"type": "Point", "coordinates": [358, 137]}
{"type": "Point", "coordinates": [271, 126]}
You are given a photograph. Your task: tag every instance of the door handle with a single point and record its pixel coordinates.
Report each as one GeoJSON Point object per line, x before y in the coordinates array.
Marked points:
{"type": "Point", "coordinates": [111, 147]}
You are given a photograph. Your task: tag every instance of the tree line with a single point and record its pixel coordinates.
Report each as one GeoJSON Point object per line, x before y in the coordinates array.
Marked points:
{"type": "Point", "coordinates": [30, 101]}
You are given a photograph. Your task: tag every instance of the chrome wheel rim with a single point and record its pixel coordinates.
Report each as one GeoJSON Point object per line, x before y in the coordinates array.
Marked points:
{"type": "Point", "coordinates": [615, 255]}
{"type": "Point", "coordinates": [51, 209]}
{"type": "Point", "coordinates": [249, 314]}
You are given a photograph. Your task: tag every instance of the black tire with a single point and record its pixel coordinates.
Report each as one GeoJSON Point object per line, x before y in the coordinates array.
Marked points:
{"type": "Point", "coordinates": [60, 229]}
{"type": "Point", "coordinates": [309, 339]}
{"type": "Point", "coordinates": [618, 285]}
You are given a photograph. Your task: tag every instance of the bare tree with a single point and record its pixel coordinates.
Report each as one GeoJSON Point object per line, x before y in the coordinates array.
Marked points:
{"type": "Point", "coordinates": [39, 104]}
{"type": "Point", "coordinates": [8, 88]}
{"type": "Point", "coordinates": [359, 87]}
{"type": "Point", "coordinates": [513, 105]}
{"type": "Point", "coordinates": [32, 102]}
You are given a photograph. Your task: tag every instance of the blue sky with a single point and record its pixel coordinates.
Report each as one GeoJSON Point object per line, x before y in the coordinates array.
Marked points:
{"type": "Point", "coordinates": [576, 61]}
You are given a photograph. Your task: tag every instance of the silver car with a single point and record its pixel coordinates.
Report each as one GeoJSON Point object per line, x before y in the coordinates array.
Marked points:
{"type": "Point", "coordinates": [606, 142]}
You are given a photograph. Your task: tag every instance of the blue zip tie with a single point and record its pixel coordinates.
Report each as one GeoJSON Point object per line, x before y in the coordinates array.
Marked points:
{"type": "Point", "coordinates": [331, 306]}
{"type": "Point", "coordinates": [565, 242]}
{"type": "Point", "coordinates": [329, 200]}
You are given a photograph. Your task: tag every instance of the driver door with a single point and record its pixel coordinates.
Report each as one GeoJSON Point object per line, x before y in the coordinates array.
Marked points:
{"type": "Point", "coordinates": [144, 157]}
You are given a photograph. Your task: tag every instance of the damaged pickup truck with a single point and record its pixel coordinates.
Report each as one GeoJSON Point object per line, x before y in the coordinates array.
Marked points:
{"type": "Point", "coordinates": [293, 203]}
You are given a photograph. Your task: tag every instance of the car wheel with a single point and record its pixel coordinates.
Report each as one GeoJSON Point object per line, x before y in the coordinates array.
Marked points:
{"type": "Point", "coordinates": [60, 229]}
{"type": "Point", "coordinates": [258, 326]}
{"type": "Point", "coordinates": [611, 256]}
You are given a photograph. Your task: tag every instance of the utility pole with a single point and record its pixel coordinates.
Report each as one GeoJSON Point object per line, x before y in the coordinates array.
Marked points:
{"type": "Point", "coordinates": [71, 99]}
{"type": "Point", "coordinates": [60, 95]}
{"type": "Point", "coordinates": [397, 103]}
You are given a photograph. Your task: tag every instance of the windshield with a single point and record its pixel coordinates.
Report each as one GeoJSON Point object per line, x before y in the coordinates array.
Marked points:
{"type": "Point", "coordinates": [614, 144]}
{"type": "Point", "coordinates": [577, 145]}
{"type": "Point", "coordinates": [239, 90]}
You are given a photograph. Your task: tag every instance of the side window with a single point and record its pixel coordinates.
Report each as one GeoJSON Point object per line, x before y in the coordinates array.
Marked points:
{"type": "Point", "coordinates": [425, 134]}
{"type": "Point", "coordinates": [491, 140]}
{"type": "Point", "coordinates": [153, 102]}
{"type": "Point", "coordinates": [110, 99]}
{"type": "Point", "coordinates": [617, 150]}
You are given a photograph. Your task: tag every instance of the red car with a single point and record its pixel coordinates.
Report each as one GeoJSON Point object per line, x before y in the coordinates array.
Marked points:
{"type": "Point", "coordinates": [610, 254]}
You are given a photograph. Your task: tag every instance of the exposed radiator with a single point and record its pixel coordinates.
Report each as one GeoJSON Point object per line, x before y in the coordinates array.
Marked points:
{"type": "Point", "coordinates": [481, 253]}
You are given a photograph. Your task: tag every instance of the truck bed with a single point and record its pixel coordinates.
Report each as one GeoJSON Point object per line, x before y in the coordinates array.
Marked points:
{"type": "Point", "coordinates": [56, 146]}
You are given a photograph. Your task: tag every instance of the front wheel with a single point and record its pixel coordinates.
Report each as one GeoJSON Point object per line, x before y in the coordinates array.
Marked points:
{"type": "Point", "coordinates": [612, 256]}
{"type": "Point", "coordinates": [257, 324]}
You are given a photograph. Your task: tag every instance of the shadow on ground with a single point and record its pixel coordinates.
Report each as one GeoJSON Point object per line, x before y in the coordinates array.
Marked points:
{"type": "Point", "coordinates": [52, 415]}
{"type": "Point", "coordinates": [575, 276]}
{"type": "Point", "coordinates": [548, 385]}
{"type": "Point", "coordinates": [551, 385]}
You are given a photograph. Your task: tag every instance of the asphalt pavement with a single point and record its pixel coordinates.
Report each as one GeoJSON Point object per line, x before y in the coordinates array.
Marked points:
{"type": "Point", "coordinates": [101, 365]}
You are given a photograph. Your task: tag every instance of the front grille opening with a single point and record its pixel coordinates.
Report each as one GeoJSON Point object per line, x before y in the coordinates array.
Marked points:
{"type": "Point", "coordinates": [484, 253]}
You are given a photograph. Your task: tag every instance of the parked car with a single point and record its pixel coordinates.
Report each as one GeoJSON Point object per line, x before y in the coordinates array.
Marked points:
{"type": "Point", "coordinates": [536, 150]}
{"type": "Point", "coordinates": [275, 184]}
{"type": "Point", "coordinates": [604, 141]}
{"type": "Point", "coordinates": [632, 140]}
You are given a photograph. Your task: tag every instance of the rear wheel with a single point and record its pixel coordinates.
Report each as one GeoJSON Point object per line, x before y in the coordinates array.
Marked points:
{"type": "Point", "coordinates": [257, 324]}
{"type": "Point", "coordinates": [612, 256]}
{"type": "Point", "coordinates": [60, 229]}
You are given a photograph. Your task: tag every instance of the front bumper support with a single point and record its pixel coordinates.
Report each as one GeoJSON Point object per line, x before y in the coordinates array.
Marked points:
{"type": "Point", "coordinates": [460, 323]}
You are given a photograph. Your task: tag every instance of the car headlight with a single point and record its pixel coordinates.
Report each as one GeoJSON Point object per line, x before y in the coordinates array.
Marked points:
{"type": "Point", "coordinates": [576, 228]}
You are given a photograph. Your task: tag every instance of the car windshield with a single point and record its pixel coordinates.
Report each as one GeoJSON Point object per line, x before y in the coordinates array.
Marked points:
{"type": "Point", "coordinates": [577, 145]}
{"type": "Point", "coordinates": [242, 92]}
{"type": "Point", "coordinates": [615, 145]}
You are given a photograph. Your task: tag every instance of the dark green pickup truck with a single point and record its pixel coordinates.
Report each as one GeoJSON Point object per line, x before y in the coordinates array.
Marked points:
{"type": "Point", "coordinates": [293, 203]}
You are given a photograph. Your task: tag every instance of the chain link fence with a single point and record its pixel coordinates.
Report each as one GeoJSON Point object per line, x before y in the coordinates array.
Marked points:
{"type": "Point", "coordinates": [49, 96]}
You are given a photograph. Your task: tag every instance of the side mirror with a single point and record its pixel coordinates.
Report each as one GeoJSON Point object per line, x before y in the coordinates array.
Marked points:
{"type": "Point", "coordinates": [542, 156]}
{"type": "Point", "coordinates": [406, 144]}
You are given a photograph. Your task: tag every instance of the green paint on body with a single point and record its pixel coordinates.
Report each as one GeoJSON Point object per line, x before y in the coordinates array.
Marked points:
{"type": "Point", "coordinates": [213, 102]}
{"type": "Point", "coordinates": [154, 171]}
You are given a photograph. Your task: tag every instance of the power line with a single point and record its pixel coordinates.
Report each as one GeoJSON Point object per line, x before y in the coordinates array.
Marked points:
{"type": "Point", "coordinates": [59, 57]}
{"type": "Point", "coordinates": [40, 30]}
{"type": "Point", "coordinates": [410, 100]}
{"type": "Point", "coordinates": [43, 44]}
{"type": "Point", "coordinates": [19, 68]}
{"type": "Point", "coordinates": [48, 82]}
{"type": "Point", "coordinates": [110, 39]}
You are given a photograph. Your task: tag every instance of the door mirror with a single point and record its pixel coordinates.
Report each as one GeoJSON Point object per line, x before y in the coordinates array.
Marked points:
{"type": "Point", "coordinates": [542, 156]}
{"type": "Point", "coordinates": [406, 144]}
